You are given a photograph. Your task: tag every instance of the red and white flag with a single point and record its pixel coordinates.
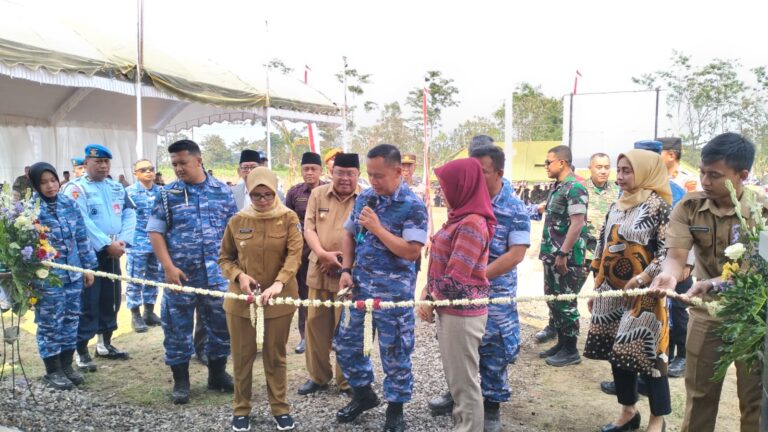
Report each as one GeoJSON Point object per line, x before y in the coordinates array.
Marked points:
{"type": "Point", "coordinates": [576, 81]}
{"type": "Point", "coordinates": [310, 130]}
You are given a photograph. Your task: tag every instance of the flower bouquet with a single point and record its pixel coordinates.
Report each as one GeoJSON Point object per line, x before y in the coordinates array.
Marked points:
{"type": "Point", "coordinates": [23, 247]}
{"type": "Point", "coordinates": [743, 292]}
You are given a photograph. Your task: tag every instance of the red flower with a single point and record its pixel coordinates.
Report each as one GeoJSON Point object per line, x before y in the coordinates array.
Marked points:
{"type": "Point", "coordinates": [58, 254]}
{"type": "Point", "coordinates": [41, 253]}
{"type": "Point", "coordinates": [43, 236]}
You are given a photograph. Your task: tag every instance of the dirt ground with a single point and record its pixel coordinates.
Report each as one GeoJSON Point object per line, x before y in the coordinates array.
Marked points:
{"type": "Point", "coordinates": [544, 398]}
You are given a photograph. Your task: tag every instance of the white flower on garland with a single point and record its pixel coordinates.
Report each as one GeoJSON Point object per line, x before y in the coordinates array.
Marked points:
{"type": "Point", "coordinates": [41, 273]}
{"type": "Point", "coordinates": [735, 251]}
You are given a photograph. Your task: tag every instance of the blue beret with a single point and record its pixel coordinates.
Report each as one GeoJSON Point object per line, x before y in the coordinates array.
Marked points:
{"type": "Point", "coordinates": [97, 151]}
{"type": "Point", "coordinates": [76, 161]}
{"type": "Point", "coordinates": [652, 145]}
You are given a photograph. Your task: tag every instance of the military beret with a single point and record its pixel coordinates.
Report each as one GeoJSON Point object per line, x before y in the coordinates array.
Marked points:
{"type": "Point", "coordinates": [651, 145]}
{"type": "Point", "coordinates": [97, 151]}
{"type": "Point", "coordinates": [77, 161]}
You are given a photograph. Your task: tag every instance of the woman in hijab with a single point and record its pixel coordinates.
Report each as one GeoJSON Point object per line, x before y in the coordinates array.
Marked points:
{"type": "Point", "coordinates": [58, 308]}
{"type": "Point", "coordinates": [260, 255]}
{"type": "Point", "coordinates": [633, 334]}
{"type": "Point", "coordinates": [457, 264]}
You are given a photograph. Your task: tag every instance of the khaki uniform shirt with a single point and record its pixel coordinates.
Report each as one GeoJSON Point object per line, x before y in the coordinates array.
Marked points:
{"type": "Point", "coordinates": [267, 250]}
{"type": "Point", "coordinates": [326, 214]}
{"type": "Point", "coordinates": [697, 223]}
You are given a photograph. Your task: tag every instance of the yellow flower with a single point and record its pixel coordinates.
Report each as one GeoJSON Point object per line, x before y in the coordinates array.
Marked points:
{"type": "Point", "coordinates": [33, 301]}
{"type": "Point", "coordinates": [729, 269]}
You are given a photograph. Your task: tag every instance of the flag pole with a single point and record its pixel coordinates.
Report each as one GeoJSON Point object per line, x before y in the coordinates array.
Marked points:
{"type": "Point", "coordinates": [266, 106]}
{"type": "Point", "coordinates": [139, 63]}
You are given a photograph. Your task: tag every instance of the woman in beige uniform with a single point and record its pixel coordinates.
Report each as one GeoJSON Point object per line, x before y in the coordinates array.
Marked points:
{"type": "Point", "coordinates": [261, 253]}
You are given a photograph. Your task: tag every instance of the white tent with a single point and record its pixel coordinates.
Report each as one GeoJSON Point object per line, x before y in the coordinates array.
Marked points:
{"type": "Point", "coordinates": [65, 85]}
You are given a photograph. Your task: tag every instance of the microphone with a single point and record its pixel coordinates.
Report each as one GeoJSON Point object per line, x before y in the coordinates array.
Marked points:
{"type": "Point", "coordinates": [373, 200]}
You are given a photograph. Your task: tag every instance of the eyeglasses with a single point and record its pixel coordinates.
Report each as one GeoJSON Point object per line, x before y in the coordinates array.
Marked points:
{"type": "Point", "coordinates": [269, 196]}
{"type": "Point", "coordinates": [548, 162]}
{"type": "Point", "coordinates": [145, 170]}
{"type": "Point", "coordinates": [248, 167]}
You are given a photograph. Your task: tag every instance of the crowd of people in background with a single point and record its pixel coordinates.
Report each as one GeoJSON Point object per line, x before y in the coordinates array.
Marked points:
{"type": "Point", "coordinates": [335, 236]}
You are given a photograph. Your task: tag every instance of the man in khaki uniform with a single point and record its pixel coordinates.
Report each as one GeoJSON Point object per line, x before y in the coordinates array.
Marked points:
{"type": "Point", "coordinates": [707, 222]}
{"type": "Point", "coordinates": [409, 168]}
{"type": "Point", "coordinates": [328, 208]}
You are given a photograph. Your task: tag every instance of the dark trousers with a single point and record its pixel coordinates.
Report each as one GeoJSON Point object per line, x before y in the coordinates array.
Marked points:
{"type": "Point", "coordinates": [99, 303]}
{"type": "Point", "coordinates": [301, 278]}
{"type": "Point", "coordinates": [678, 316]}
{"type": "Point", "coordinates": [200, 336]}
{"type": "Point", "coordinates": [658, 390]}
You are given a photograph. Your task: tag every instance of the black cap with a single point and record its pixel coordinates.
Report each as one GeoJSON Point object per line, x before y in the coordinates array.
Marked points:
{"type": "Point", "coordinates": [671, 143]}
{"type": "Point", "coordinates": [347, 160]}
{"type": "Point", "coordinates": [310, 158]}
{"type": "Point", "coordinates": [250, 156]}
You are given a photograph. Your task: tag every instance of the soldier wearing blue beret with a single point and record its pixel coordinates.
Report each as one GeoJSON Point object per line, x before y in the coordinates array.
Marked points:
{"type": "Point", "coordinates": [78, 166]}
{"type": "Point", "coordinates": [186, 229]}
{"type": "Point", "coordinates": [110, 220]}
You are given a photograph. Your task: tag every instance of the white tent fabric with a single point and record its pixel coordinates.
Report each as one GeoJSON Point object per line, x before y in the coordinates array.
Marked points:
{"type": "Point", "coordinates": [64, 84]}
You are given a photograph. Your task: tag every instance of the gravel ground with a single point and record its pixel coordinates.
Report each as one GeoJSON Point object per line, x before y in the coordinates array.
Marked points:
{"type": "Point", "coordinates": [85, 410]}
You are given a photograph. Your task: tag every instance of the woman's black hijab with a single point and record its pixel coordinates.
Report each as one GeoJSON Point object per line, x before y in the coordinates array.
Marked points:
{"type": "Point", "coordinates": [36, 174]}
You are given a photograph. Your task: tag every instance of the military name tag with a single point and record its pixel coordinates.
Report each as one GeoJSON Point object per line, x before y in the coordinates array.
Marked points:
{"type": "Point", "coordinates": [698, 229]}
{"type": "Point", "coordinates": [617, 248]}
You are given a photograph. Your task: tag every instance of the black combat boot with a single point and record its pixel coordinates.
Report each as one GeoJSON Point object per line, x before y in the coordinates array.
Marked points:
{"type": "Point", "coordinates": [180, 394]}
{"type": "Point", "coordinates": [218, 378]}
{"type": "Point", "coordinates": [150, 317]}
{"type": "Point", "coordinates": [568, 355]}
{"type": "Point", "coordinates": [364, 399]}
{"type": "Point", "coordinates": [66, 366]}
{"type": "Point", "coordinates": [137, 322]}
{"type": "Point", "coordinates": [54, 376]}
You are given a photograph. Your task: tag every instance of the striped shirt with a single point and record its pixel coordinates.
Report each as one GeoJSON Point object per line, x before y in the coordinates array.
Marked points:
{"type": "Point", "coordinates": [457, 265]}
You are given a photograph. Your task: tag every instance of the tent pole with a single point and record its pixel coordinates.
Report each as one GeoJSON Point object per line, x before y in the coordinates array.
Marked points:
{"type": "Point", "coordinates": [139, 63]}
{"type": "Point", "coordinates": [266, 107]}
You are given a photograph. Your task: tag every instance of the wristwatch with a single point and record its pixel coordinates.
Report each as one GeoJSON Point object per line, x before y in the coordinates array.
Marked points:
{"type": "Point", "coordinates": [346, 270]}
{"type": "Point", "coordinates": [640, 281]}
{"type": "Point", "coordinates": [561, 253]}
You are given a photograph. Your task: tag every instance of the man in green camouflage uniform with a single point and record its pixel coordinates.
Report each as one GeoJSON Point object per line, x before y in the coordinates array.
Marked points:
{"type": "Point", "coordinates": [563, 249]}
{"type": "Point", "coordinates": [602, 194]}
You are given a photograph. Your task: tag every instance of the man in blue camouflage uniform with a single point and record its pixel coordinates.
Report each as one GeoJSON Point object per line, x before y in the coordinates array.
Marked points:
{"type": "Point", "coordinates": [186, 228]}
{"type": "Point", "coordinates": [142, 263]}
{"type": "Point", "coordinates": [58, 308]}
{"type": "Point", "coordinates": [384, 236]}
{"type": "Point", "coordinates": [110, 220]}
{"type": "Point", "coordinates": [501, 342]}
{"type": "Point", "coordinates": [563, 249]}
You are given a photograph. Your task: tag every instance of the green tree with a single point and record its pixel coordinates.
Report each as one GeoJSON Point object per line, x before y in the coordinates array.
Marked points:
{"type": "Point", "coordinates": [279, 66]}
{"type": "Point", "coordinates": [442, 95]}
{"type": "Point", "coordinates": [243, 144]}
{"type": "Point", "coordinates": [536, 117]}
{"type": "Point", "coordinates": [215, 152]}
{"type": "Point", "coordinates": [390, 128]}
{"type": "Point", "coordinates": [704, 100]}
{"type": "Point", "coordinates": [356, 82]}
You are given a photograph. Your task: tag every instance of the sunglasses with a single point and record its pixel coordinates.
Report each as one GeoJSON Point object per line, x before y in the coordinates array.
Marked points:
{"type": "Point", "coordinates": [145, 170]}
{"type": "Point", "coordinates": [269, 196]}
{"type": "Point", "coordinates": [548, 162]}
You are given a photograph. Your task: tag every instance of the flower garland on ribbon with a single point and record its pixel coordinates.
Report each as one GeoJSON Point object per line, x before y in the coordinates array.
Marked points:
{"type": "Point", "coordinates": [256, 306]}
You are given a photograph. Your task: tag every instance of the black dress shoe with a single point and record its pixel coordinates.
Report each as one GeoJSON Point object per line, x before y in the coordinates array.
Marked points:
{"type": "Point", "coordinates": [632, 424]}
{"type": "Point", "coordinates": [301, 347]}
{"type": "Point", "coordinates": [608, 387]}
{"type": "Point", "coordinates": [108, 351]}
{"type": "Point", "coordinates": [364, 399]}
{"type": "Point", "coordinates": [310, 387]}
{"type": "Point", "coordinates": [676, 367]}
{"type": "Point", "coordinates": [441, 405]}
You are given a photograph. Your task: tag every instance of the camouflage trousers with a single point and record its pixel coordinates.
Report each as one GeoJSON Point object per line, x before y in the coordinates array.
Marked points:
{"type": "Point", "coordinates": [499, 348]}
{"type": "Point", "coordinates": [177, 313]}
{"type": "Point", "coordinates": [57, 314]}
{"type": "Point", "coordinates": [142, 266]}
{"type": "Point", "coordinates": [564, 314]}
{"type": "Point", "coordinates": [395, 330]}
